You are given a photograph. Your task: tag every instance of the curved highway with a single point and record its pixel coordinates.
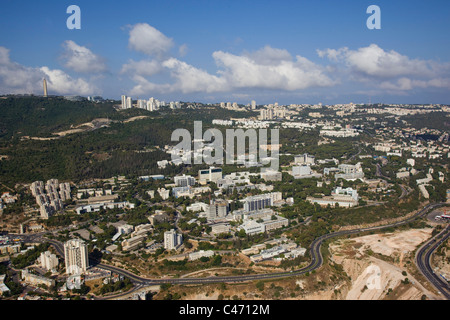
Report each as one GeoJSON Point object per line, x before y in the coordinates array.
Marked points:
{"type": "Point", "coordinates": [423, 262]}
{"type": "Point", "coordinates": [316, 259]}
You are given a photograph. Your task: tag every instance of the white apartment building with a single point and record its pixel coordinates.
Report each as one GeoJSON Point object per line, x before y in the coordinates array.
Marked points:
{"type": "Point", "coordinates": [34, 279]}
{"type": "Point", "coordinates": [133, 242]}
{"type": "Point", "coordinates": [125, 229]}
{"type": "Point", "coordinates": [261, 201]}
{"type": "Point", "coordinates": [346, 198]}
{"type": "Point", "coordinates": [49, 261]}
{"type": "Point", "coordinates": [129, 103]}
{"type": "Point", "coordinates": [220, 228]}
{"type": "Point", "coordinates": [184, 181]}
{"type": "Point", "coordinates": [172, 240]}
{"type": "Point", "coordinates": [76, 256]}
{"type": "Point", "coordinates": [124, 102]}
{"type": "Point", "coordinates": [350, 172]}
{"type": "Point", "coordinates": [210, 175]}
{"type": "Point", "coordinates": [252, 227]}
{"type": "Point", "coordinates": [218, 209]}
{"type": "Point", "coordinates": [165, 194]}
{"type": "Point", "coordinates": [50, 196]}
{"type": "Point", "coordinates": [199, 254]}
{"type": "Point", "coordinates": [305, 159]}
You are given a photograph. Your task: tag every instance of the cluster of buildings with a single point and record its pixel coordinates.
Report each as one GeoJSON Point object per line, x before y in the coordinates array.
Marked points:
{"type": "Point", "coordinates": [95, 194]}
{"type": "Point", "coordinates": [6, 199]}
{"type": "Point", "coordinates": [268, 221]}
{"type": "Point", "coordinates": [76, 263]}
{"type": "Point", "coordinates": [151, 104]}
{"type": "Point", "coordinates": [138, 235]}
{"type": "Point", "coordinates": [346, 198]}
{"type": "Point", "coordinates": [200, 254]}
{"type": "Point", "coordinates": [349, 172]}
{"type": "Point", "coordinates": [255, 217]}
{"type": "Point", "coordinates": [403, 110]}
{"type": "Point", "coordinates": [276, 249]}
{"type": "Point", "coordinates": [417, 149]}
{"type": "Point", "coordinates": [346, 132]}
{"type": "Point", "coordinates": [8, 247]}
{"type": "Point", "coordinates": [232, 106]}
{"type": "Point", "coordinates": [96, 207]}
{"type": "Point", "coordinates": [272, 113]}
{"type": "Point", "coordinates": [51, 196]}
{"type": "Point", "coordinates": [3, 287]}
{"type": "Point", "coordinates": [256, 213]}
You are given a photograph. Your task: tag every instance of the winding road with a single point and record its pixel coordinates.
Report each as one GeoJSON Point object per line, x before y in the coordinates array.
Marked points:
{"type": "Point", "coordinates": [316, 261]}
{"type": "Point", "coordinates": [423, 262]}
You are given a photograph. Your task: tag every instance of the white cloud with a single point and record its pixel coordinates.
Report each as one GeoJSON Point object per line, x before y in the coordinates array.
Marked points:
{"type": "Point", "coordinates": [191, 79]}
{"type": "Point", "coordinates": [268, 68]}
{"type": "Point", "coordinates": [143, 67]}
{"type": "Point", "coordinates": [146, 39]}
{"type": "Point", "coordinates": [81, 59]}
{"type": "Point", "coordinates": [271, 68]}
{"type": "Point", "coordinates": [188, 79]}
{"type": "Point", "coordinates": [373, 61]}
{"type": "Point", "coordinates": [276, 69]}
{"type": "Point", "coordinates": [269, 56]}
{"type": "Point", "coordinates": [406, 84]}
{"type": "Point", "coordinates": [389, 70]}
{"type": "Point", "coordinates": [143, 86]}
{"type": "Point", "coordinates": [16, 78]}
{"type": "Point", "coordinates": [62, 83]}
{"type": "Point", "coordinates": [182, 51]}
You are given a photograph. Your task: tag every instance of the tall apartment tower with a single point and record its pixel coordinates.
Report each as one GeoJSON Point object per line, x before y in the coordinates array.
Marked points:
{"type": "Point", "coordinates": [76, 256]}
{"type": "Point", "coordinates": [45, 88]}
{"type": "Point", "coordinates": [172, 240]}
{"type": "Point", "coordinates": [124, 102]}
{"type": "Point", "coordinates": [218, 209]}
{"type": "Point", "coordinates": [129, 103]}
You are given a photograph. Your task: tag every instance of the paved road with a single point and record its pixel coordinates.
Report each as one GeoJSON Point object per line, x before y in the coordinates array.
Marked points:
{"type": "Point", "coordinates": [423, 262]}
{"type": "Point", "coordinates": [316, 259]}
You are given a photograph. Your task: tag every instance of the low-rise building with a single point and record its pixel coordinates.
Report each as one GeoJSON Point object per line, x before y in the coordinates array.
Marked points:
{"type": "Point", "coordinates": [220, 228]}
{"type": "Point", "coordinates": [34, 279]}
{"type": "Point", "coordinates": [3, 287]}
{"type": "Point", "coordinates": [133, 242]}
{"type": "Point", "coordinates": [199, 254]}
{"type": "Point", "coordinates": [158, 217]}
{"type": "Point", "coordinates": [49, 261]}
{"type": "Point", "coordinates": [342, 197]}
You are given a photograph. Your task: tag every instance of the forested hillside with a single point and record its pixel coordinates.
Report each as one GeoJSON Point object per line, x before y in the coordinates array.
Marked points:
{"type": "Point", "coordinates": [38, 116]}
{"type": "Point", "coordinates": [121, 148]}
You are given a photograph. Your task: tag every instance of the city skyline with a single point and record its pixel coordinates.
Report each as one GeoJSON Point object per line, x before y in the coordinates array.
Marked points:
{"type": "Point", "coordinates": [288, 52]}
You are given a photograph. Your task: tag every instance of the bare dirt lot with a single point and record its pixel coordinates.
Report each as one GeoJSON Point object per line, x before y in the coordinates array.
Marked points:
{"type": "Point", "coordinates": [379, 265]}
{"type": "Point", "coordinates": [372, 267]}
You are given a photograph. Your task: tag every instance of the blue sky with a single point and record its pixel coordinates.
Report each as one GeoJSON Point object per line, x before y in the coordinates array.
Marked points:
{"type": "Point", "coordinates": [212, 51]}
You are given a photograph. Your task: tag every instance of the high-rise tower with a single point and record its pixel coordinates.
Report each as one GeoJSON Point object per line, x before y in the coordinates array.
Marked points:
{"type": "Point", "coordinates": [45, 88]}
{"type": "Point", "coordinates": [76, 256]}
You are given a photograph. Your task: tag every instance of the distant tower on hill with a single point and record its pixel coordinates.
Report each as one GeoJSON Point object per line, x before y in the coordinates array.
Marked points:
{"type": "Point", "coordinates": [45, 88]}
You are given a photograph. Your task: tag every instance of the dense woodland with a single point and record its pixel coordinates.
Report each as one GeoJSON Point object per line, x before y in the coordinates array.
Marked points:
{"type": "Point", "coordinates": [130, 149]}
